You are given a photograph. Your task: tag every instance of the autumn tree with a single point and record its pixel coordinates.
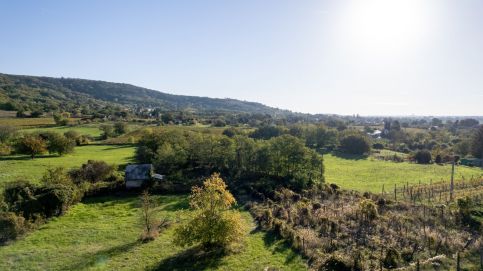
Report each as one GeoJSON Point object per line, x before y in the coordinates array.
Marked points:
{"type": "Point", "coordinates": [31, 145]}
{"type": "Point", "coordinates": [213, 224]}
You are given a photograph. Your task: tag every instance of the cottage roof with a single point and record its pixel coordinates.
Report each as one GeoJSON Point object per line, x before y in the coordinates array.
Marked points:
{"type": "Point", "coordinates": [139, 172]}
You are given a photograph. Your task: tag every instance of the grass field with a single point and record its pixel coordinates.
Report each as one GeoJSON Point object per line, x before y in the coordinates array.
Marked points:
{"type": "Point", "coordinates": [21, 166]}
{"type": "Point", "coordinates": [102, 235]}
{"type": "Point", "coordinates": [87, 129]}
{"type": "Point", "coordinates": [369, 174]}
{"type": "Point", "coordinates": [27, 122]}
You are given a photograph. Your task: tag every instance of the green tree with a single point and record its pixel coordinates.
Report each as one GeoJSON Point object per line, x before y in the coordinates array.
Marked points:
{"type": "Point", "coordinates": [108, 131]}
{"type": "Point", "coordinates": [31, 145]}
{"type": "Point", "coordinates": [7, 133]}
{"type": "Point", "coordinates": [213, 225]}
{"type": "Point", "coordinates": [120, 128]}
{"type": "Point", "coordinates": [355, 143]}
{"type": "Point", "coordinates": [61, 119]}
{"type": "Point", "coordinates": [477, 143]}
{"type": "Point", "coordinates": [59, 144]}
{"type": "Point", "coordinates": [423, 157]}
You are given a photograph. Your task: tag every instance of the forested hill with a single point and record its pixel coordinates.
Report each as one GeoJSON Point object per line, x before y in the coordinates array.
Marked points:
{"type": "Point", "coordinates": [33, 93]}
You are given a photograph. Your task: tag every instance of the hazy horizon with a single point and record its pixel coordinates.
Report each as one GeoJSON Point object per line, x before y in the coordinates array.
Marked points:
{"type": "Point", "coordinates": [373, 58]}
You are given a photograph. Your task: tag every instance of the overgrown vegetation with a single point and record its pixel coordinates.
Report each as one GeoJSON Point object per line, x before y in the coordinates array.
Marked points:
{"type": "Point", "coordinates": [340, 230]}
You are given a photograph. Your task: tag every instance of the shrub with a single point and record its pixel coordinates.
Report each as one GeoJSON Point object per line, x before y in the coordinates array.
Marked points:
{"type": "Point", "coordinates": [355, 144]}
{"type": "Point", "coordinates": [378, 146]}
{"type": "Point", "coordinates": [108, 131]}
{"type": "Point", "coordinates": [5, 149]}
{"type": "Point", "coordinates": [56, 199]}
{"type": "Point", "coordinates": [61, 119]}
{"type": "Point", "coordinates": [20, 198]}
{"type": "Point", "coordinates": [73, 135]}
{"type": "Point", "coordinates": [11, 226]}
{"type": "Point", "coordinates": [7, 133]}
{"type": "Point", "coordinates": [120, 128]}
{"type": "Point", "coordinates": [392, 258]}
{"type": "Point", "coordinates": [31, 145]}
{"type": "Point", "coordinates": [93, 172]}
{"type": "Point", "coordinates": [335, 263]}
{"type": "Point", "coordinates": [368, 209]}
{"type": "Point", "coordinates": [438, 159]}
{"type": "Point", "coordinates": [56, 195]}
{"type": "Point", "coordinates": [422, 157]}
{"type": "Point", "coordinates": [57, 143]}
{"type": "Point", "coordinates": [230, 132]}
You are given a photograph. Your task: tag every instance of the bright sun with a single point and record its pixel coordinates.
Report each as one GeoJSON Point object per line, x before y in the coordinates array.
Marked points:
{"type": "Point", "coordinates": [385, 26]}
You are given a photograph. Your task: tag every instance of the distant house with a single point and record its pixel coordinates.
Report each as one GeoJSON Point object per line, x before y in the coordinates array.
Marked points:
{"type": "Point", "coordinates": [138, 175]}
{"type": "Point", "coordinates": [472, 162]}
{"type": "Point", "coordinates": [376, 134]}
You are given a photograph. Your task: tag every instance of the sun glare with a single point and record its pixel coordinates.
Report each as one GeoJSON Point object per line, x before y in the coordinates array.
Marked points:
{"type": "Point", "coordinates": [385, 25]}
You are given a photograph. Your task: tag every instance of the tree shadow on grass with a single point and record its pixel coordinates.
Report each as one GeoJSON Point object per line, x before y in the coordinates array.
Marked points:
{"type": "Point", "coordinates": [26, 157]}
{"type": "Point", "coordinates": [99, 258]}
{"type": "Point", "coordinates": [349, 156]}
{"type": "Point", "coordinates": [168, 205]}
{"type": "Point", "coordinates": [273, 241]}
{"type": "Point", "coordinates": [192, 259]}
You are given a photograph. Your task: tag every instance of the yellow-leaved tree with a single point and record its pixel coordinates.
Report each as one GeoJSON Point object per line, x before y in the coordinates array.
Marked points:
{"type": "Point", "coordinates": [213, 224]}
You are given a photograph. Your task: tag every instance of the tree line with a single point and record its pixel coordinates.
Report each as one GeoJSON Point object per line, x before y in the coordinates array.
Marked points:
{"type": "Point", "coordinates": [184, 156]}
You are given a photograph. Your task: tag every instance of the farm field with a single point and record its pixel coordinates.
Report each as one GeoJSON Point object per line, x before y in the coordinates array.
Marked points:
{"type": "Point", "coordinates": [27, 122]}
{"type": "Point", "coordinates": [102, 234]}
{"type": "Point", "coordinates": [87, 129]}
{"type": "Point", "coordinates": [369, 174]}
{"type": "Point", "coordinates": [21, 166]}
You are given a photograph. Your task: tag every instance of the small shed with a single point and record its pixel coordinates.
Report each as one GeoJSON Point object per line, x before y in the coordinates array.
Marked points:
{"type": "Point", "coordinates": [138, 175]}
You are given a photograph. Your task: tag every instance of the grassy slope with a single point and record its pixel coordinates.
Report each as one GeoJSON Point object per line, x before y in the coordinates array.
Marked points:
{"type": "Point", "coordinates": [370, 174]}
{"type": "Point", "coordinates": [21, 166]}
{"type": "Point", "coordinates": [102, 235]}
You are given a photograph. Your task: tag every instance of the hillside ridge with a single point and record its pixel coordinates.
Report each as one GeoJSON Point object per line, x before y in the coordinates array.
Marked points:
{"type": "Point", "coordinates": [41, 93]}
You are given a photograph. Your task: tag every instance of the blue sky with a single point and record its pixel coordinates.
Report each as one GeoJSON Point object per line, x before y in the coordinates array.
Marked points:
{"type": "Point", "coordinates": [368, 57]}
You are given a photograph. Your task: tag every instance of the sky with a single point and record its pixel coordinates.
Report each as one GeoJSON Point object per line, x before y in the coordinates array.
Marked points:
{"type": "Point", "coordinates": [367, 57]}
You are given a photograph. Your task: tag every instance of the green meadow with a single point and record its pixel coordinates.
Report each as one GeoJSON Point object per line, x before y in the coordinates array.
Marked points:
{"type": "Point", "coordinates": [369, 174]}
{"type": "Point", "coordinates": [87, 129]}
{"type": "Point", "coordinates": [102, 234]}
{"type": "Point", "coordinates": [15, 167]}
